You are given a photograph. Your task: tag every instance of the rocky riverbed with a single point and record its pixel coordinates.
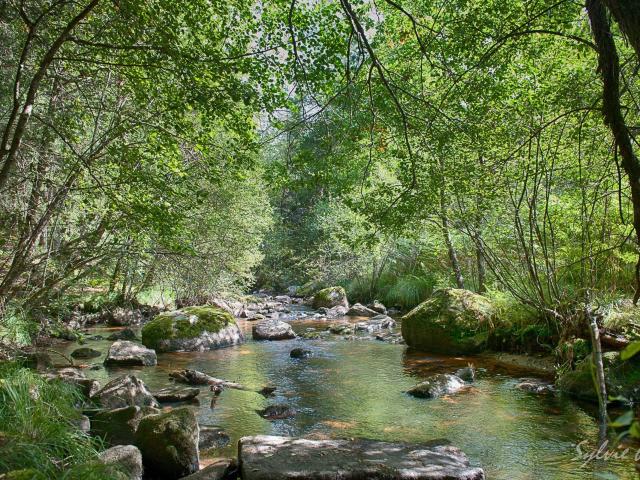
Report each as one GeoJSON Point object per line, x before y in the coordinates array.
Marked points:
{"type": "Point", "coordinates": [320, 376]}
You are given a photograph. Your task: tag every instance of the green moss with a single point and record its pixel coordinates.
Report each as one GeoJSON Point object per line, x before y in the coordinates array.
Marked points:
{"type": "Point", "coordinates": [179, 324]}
{"type": "Point", "coordinates": [330, 297]}
{"type": "Point", "coordinates": [452, 321]}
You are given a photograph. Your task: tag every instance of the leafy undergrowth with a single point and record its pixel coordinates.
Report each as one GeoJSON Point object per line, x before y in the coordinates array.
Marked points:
{"type": "Point", "coordinates": [39, 436]}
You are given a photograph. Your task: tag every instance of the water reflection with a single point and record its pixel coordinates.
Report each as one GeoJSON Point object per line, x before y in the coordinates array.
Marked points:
{"type": "Point", "coordinates": [356, 389]}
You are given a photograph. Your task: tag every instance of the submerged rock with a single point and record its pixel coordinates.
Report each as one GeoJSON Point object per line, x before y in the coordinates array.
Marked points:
{"type": "Point", "coordinates": [125, 353]}
{"type": "Point", "coordinates": [452, 321]}
{"type": "Point", "coordinates": [359, 310]}
{"type": "Point", "coordinates": [167, 395]}
{"type": "Point", "coordinates": [212, 437]}
{"type": "Point", "coordinates": [192, 329]}
{"type": "Point", "coordinates": [437, 386]}
{"type": "Point", "coordinates": [125, 391]}
{"type": "Point", "coordinates": [277, 412]}
{"type": "Point", "coordinates": [85, 352]}
{"type": "Point", "coordinates": [169, 444]}
{"type": "Point", "coordinates": [342, 328]}
{"type": "Point", "coordinates": [125, 334]}
{"type": "Point", "coordinates": [330, 297]}
{"type": "Point", "coordinates": [272, 330]}
{"type": "Point", "coordinates": [126, 459]}
{"type": "Point", "coordinates": [300, 353]}
{"type": "Point", "coordinates": [622, 378]}
{"type": "Point", "coordinates": [265, 457]}
{"type": "Point", "coordinates": [534, 385]}
{"type": "Point", "coordinates": [468, 374]}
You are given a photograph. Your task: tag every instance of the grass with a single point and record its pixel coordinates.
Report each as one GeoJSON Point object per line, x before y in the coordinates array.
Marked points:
{"type": "Point", "coordinates": [38, 433]}
{"type": "Point", "coordinates": [404, 291]}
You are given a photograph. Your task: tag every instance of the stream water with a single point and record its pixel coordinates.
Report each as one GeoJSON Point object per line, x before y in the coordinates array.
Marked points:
{"type": "Point", "coordinates": [355, 388]}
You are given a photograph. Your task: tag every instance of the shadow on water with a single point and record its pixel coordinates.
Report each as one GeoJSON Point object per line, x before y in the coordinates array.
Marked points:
{"type": "Point", "coordinates": [355, 388]}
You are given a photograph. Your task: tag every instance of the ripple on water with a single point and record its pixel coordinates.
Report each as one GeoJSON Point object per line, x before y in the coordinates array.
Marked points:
{"type": "Point", "coordinates": [356, 389]}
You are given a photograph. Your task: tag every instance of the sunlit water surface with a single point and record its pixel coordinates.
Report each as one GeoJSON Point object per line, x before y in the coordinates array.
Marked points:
{"type": "Point", "coordinates": [355, 388]}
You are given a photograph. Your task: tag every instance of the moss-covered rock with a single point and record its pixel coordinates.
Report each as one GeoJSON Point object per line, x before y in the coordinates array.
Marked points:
{"type": "Point", "coordinates": [452, 321]}
{"type": "Point", "coordinates": [192, 329]}
{"type": "Point", "coordinates": [169, 443]}
{"type": "Point", "coordinates": [330, 297]}
{"type": "Point", "coordinates": [622, 378]}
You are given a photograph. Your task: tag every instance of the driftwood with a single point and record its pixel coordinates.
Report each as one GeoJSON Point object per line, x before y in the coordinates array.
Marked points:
{"type": "Point", "coordinates": [194, 377]}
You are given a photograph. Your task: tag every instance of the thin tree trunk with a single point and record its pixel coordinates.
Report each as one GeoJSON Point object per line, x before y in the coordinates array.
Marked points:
{"type": "Point", "coordinates": [480, 264]}
{"type": "Point", "coordinates": [609, 67]}
{"type": "Point", "coordinates": [32, 92]}
{"type": "Point", "coordinates": [451, 249]}
{"type": "Point", "coordinates": [600, 383]}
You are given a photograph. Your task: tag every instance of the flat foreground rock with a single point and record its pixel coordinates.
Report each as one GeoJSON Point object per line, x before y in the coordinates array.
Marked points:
{"type": "Point", "coordinates": [265, 457]}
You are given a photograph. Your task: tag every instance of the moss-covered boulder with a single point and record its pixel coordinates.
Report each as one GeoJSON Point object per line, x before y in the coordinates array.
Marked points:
{"type": "Point", "coordinates": [118, 426]}
{"type": "Point", "coordinates": [169, 444]}
{"type": "Point", "coordinates": [622, 378]}
{"type": "Point", "coordinates": [330, 297]}
{"type": "Point", "coordinates": [452, 321]}
{"type": "Point", "coordinates": [192, 329]}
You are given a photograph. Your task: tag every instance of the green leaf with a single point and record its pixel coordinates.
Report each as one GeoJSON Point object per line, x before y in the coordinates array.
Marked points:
{"type": "Point", "coordinates": [630, 351]}
{"type": "Point", "coordinates": [634, 431]}
{"type": "Point", "coordinates": [623, 420]}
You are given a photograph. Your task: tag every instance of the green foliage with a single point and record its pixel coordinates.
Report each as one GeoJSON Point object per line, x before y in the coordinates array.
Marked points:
{"type": "Point", "coordinates": [38, 429]}
{"type": "Point", "coordinates": [16, 327]}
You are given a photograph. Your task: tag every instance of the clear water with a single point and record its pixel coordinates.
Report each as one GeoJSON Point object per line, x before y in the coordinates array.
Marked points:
{"type": "Point", "coordinates": [356, 389]}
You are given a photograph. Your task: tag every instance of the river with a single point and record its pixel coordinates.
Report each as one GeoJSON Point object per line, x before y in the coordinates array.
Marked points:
{"type": "Point", "coordinates": [355, 388]}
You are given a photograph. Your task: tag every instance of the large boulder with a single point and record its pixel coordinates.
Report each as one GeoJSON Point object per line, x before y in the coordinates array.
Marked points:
{"type": "Point", "coordinates": [125, 353]}
{"type": "Point", "coordinates": [265, 457]}
{"type": "Point", "coordinates": [118, 426]}
{"type": "Point", "coordinates": [622, 378]}
{"type": "Point", "coordinates": [359, 310]}
{"type": "Point", "coordinates": [452, 321]}
{"type": "Point", "coordinates": [330, 297]}
{"type": "Point", "coordinates": [169, 444]}
{"type": "Point", "coordinates": [125, 391]}
{"type": "Point", "coordinates": [192, 329]}
{"type": "Point", "coordinates": [437, 386]}
{"type": "Point", "coordinates": [125, 460]}
{"type": "Point", "coordinates": [272, 330]}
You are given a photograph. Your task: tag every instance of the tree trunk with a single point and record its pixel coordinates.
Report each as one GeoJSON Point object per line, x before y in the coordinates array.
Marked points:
{"type": "Point", "coordinates": [599, 380]}
{"type": "Point", "coordinates": [451, 249]}
{"type": "Point", "coordinates": [609, 67]}
{"type": "Point", "coordinates": [27, 108]}
{"type": "Point", "coordinates": [627, 14]}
